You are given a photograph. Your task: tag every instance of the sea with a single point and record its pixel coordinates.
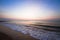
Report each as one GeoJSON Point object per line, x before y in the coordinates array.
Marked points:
{"type": "Point", "coordinates": [41, 30]}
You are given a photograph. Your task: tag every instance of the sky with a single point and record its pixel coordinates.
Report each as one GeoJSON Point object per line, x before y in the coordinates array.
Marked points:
{"type": "Point", "coordinates": [30, 9]}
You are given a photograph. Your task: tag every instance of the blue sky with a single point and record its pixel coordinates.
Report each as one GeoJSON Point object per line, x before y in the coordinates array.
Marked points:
{"type": "Point", "coordinates": [51, 3]}
{"type": "Point", "coordinates": [14, 5]}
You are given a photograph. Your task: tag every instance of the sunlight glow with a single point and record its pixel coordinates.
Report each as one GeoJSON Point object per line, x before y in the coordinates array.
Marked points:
{"type": "Point", "coordinates": [29, 12]}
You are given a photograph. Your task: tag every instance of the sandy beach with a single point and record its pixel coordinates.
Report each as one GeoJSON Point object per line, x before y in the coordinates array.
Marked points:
{"type": "Point", "coordinates": [14, 34]}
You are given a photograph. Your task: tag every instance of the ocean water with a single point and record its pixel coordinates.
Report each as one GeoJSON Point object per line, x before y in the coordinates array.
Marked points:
{"type": "Point", "coordinates": [37, 33]}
